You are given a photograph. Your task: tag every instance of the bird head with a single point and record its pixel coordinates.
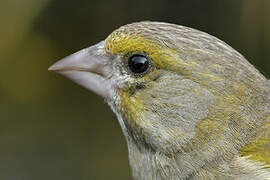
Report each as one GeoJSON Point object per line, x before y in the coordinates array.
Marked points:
{"type": "Point", "coordinates": [174, 89]}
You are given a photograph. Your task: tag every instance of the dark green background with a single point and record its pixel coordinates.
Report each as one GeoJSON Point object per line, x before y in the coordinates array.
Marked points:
{"type": "Point", "coordinates": [52, 129]}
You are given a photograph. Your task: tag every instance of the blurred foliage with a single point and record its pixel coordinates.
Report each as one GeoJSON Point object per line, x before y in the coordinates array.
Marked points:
{"type": "Point", "coordinates": [53, 129]}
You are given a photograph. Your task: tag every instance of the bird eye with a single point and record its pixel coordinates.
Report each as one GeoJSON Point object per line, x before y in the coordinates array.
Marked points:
{"type": "Point", "coordinates": [138, 64]}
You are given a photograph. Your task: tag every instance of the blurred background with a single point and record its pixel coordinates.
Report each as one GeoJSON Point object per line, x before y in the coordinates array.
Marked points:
{"type": "Point", "coordinates": [51, 128]}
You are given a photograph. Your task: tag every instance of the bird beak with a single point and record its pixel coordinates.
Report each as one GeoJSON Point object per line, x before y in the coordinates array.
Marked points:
{"type": "Point", "coordinates": [89, 68]}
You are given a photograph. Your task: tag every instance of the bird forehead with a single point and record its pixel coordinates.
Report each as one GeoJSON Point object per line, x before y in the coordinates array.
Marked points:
{"type": "Point", "coordinates": [133, 37]}
{"type": "Point", "coordinates": [124, 42]}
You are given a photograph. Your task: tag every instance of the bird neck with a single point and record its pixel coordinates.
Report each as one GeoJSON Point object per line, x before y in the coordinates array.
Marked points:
{"type": "Point", "coordinates": [148, 165]}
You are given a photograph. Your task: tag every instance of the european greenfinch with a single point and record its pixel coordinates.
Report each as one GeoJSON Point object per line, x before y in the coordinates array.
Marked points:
{"type": "Point", "coordinates": [189, 105]}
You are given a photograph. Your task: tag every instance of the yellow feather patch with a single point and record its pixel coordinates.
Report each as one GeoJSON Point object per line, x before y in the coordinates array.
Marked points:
{"type": "Point", "coordinates": [259, 150]}
{"type": "Point", "coordinates": [133, 105]}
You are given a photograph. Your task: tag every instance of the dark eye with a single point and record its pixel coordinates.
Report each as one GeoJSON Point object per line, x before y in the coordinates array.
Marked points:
{"type": "Point", "coordinates": [138, 64]}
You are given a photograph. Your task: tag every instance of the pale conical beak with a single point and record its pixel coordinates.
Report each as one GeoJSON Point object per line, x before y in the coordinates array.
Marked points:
{"type": "Point", "coordinates": [89, 68]}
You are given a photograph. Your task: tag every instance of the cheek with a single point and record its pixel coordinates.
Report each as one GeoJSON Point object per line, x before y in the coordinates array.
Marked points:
{"type": "Point", "coordinates": [172, 110]}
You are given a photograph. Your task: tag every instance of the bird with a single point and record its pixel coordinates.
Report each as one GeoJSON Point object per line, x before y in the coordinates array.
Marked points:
{"type": "Point", "coordinates": [189, 105]}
